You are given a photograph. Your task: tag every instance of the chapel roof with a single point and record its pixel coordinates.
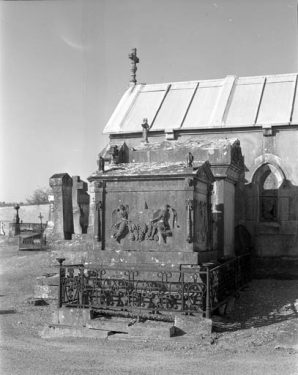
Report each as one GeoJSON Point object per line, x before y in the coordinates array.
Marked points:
{"type": "Point", "coordinates": [220, 103]}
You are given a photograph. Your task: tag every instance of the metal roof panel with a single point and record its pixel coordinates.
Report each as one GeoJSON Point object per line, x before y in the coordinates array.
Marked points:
{"type": "Point", "coordinates": [200, 112]}
{"type": "Point", "coordinates": [146, 106]}
{"type": "Point", "coordinates": [173, 109]}
{"type": "Point", "coordinates": [276, 104]}
{"type": "Point", "coordinates": [244, 103]}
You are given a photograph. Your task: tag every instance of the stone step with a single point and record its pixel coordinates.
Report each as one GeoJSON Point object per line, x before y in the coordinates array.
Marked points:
{"type": "Point", "coordinates": [112, 324]}
{"type": "Point", "coordinates": [71, 316]}
{"type": "Point", "coordinates": [181, 325]}
{"type": "Point", "coordinates": [153, 330]}
{"type": "Point", "coordinates": [56, 331]}
{"type": "Point", "coordinates": [59, 331]}
{"type": "Point", "coordinates": [185, 339]}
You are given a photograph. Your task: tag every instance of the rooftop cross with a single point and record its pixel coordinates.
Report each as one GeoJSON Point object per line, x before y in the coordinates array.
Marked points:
{"type": "Point", "coordinates": [134, 61]}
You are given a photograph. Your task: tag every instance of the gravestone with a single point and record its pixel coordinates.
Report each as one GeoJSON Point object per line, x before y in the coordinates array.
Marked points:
{"type": "Point", "coordinates": [61, 185]}
{"type": "Point", "coordinates": [80, 204]}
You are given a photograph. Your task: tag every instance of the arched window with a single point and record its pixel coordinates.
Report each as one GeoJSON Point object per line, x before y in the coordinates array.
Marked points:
{"type": "Point", "coordinates": [268, 179]}
{"type": "Point", "coordinates": [268, 190]}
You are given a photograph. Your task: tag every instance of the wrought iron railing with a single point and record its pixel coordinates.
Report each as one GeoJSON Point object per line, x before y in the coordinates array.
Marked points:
{"type": "Point", "coordinates": [192, 289]}
{"type": "Point", "coordinates": [35, 241]}
{"type": "Point", "coordinates": [31, 236]}
{"type": "Point", "coordinates": [31, 227]}
{"type": "Point", "coordinates": [227, 278]}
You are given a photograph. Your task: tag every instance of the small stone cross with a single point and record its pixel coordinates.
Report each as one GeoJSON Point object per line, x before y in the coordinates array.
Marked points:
{"type": "Point", "coordinates": [40, 217]}
{"type": "Point", "coordinates": [17, 207]}
{"type": "Point", "coordinates": [134, 61]}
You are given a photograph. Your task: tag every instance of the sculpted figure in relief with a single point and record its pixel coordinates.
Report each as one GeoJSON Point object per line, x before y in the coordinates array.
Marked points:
{"type": "Point", "coordinates": [120, 221]}
{"type": "Point", "coordinates": [158, 229]}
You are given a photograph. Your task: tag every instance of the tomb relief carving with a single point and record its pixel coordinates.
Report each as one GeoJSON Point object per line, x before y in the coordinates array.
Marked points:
{"type": "Point", "coordinates": [120, 222]}
{"type": "Point", "coordinates": [201, 234]}
{"type": "Point", "coordinates": [160, 227]}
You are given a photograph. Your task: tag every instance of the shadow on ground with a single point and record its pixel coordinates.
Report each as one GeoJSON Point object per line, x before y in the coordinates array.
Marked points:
{"type": "Point", "coordinates": [262, 303]}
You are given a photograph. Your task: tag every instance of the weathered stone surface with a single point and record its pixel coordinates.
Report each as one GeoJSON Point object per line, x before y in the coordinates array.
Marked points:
{"type": "Point", "coordinates": [135, 210]}
{"type": "Point", "coordinates": [112, 324]}
{"type": "Point", "coordinates": [46, 291]}
{"type": "Point", "coordinates": [61, 185]}
{"type": "Point", "coordinates": [193, 325]}
{"type": "Point", "coordinates": [151, 329]}
{"type": "Point", "coordinates": [50, 279]}
{"type": "Point", "coordinates": [37, 302]}
{"type": "Point", "coordinates": [71, 316]}
{"type": "Point", "coordinates": [56, 331]}
{"type": "Point", "coordinates": [80, 204]}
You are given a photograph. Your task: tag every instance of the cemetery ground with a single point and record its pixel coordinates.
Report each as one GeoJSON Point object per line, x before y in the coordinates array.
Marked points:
{"type": "Point", "coordinates": [258, 337]}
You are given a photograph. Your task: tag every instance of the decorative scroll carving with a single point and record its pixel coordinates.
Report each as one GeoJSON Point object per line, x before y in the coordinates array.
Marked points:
{"type": "Point", "coordinates": [99, 209]}
{"type": "Point", "coordinates": [98, 205]}
{"type": "Point", "coordinates": [190, 206]}
{"type": "Point", "coordinates": [99, 185]}
{"type": "Point", "coordinates": [202, 233]}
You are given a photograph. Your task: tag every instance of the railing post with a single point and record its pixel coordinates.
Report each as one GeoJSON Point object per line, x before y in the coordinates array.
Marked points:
{"type": "Point", "coordinates": [61, 275]}
{"type": "Point", "coordinates": [182, 300]}
{"type": "Point", "coordinates": [81, 296]}
{"type": "Point", "coordinates": [208, 310]}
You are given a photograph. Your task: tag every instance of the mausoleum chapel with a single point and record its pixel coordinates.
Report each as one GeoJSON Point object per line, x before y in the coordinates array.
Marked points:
{"type": "Point", "coordinates": [194, 172]}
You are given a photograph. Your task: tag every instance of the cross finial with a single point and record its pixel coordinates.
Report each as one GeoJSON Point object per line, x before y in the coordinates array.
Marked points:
{"type": "Point", "coordinates": [134, 61]}
{"type": "Point", "coordinates": [17, 207]}
{"type": "Point", "coordinates": [40, 218]}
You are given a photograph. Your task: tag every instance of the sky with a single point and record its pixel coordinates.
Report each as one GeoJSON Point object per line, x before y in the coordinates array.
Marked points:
{"type": "Point", "coordinates": [64, 66]}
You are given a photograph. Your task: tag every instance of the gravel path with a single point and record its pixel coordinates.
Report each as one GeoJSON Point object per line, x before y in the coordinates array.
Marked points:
{"type": "Point", "coordinates": [244, 342]}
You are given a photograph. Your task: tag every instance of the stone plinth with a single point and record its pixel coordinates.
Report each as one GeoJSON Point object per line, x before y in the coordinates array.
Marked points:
{"type": "Point", "coordinates": [152, 208]}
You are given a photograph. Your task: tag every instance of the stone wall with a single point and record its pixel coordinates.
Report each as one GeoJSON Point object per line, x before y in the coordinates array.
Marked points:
{"type": "Point", "coordinates": [27, 214]}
